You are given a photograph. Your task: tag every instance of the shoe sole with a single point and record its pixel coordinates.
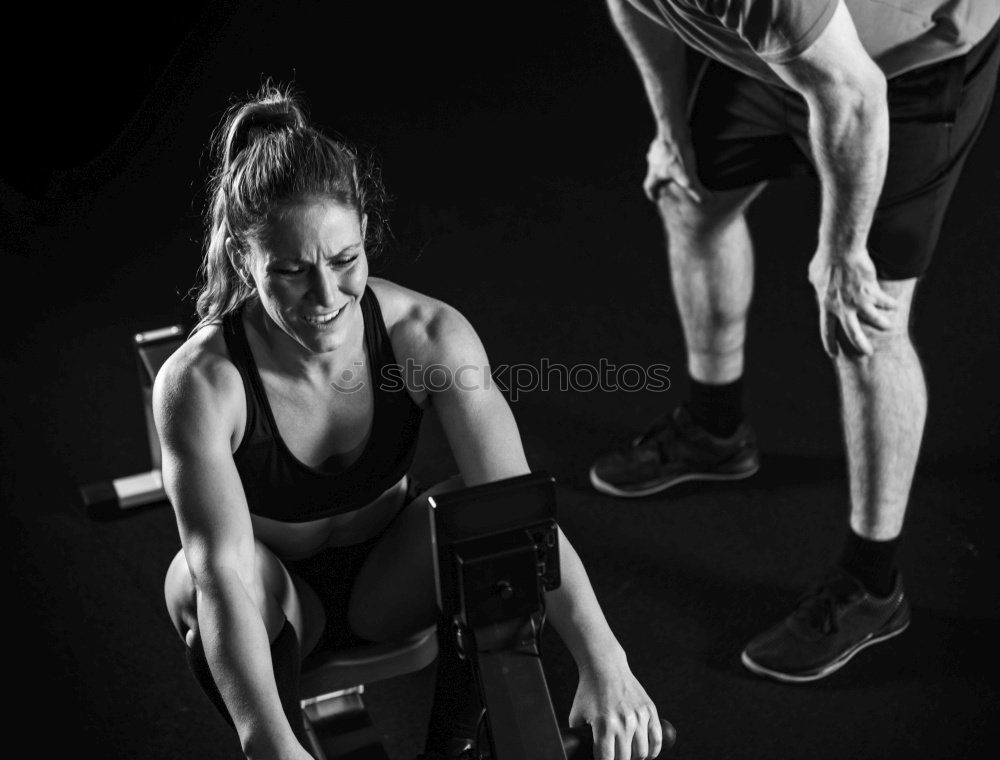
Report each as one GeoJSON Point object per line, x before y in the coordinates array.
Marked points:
{"type": "Point", "coordinates": [760, 670]}
{"type": "Point", "coordinates": [605, 487]}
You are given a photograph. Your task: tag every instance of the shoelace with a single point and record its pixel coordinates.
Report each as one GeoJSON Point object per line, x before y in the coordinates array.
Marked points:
{"type": "Point", "coordinates": [663, 432]}
{"type": "Point", "coordinates": [818, 607]}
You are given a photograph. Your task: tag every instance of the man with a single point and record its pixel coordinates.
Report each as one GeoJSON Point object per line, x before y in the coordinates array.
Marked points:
{"type": "Point", "coordinates": [882, 100]}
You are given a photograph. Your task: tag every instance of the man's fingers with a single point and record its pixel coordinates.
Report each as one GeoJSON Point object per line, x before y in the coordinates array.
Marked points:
{"type": "Point", "coordinates": [884, 301]}
{"type": "Point", "coordinates": [872, 316]}
{"type": "Point", "coordinates": [692, 186]}
{"type": "Point", "coordinates": [856, 334]}
{"type": "Point", "coordinates": [655, 183]}
{"type": "Point", "coordinates": [828, 331]}
{"type": "Point", "coordinates": [651, 185]}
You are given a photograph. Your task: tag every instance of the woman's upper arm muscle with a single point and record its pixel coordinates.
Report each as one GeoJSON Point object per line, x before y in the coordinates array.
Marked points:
{"type": "Point", "coordinates": [193, 406]}
{"type": "Point", "coordinates": [475, 416]}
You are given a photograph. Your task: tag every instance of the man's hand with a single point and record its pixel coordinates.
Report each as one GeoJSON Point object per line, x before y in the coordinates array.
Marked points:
{"type": "Point", "coordinates": [671, 161]}
{"type": "Point", "coordinates": [849, 295]}
{"type": "Point", "coordinates": [621, 715]}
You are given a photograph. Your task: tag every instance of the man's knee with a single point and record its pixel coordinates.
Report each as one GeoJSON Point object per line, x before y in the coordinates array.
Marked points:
{"type": "Point", "coordinates": [887, 344]}
{"type": "Point", "coordinates": [684, 218]}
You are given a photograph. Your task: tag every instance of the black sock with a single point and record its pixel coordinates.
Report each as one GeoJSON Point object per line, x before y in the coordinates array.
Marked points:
{"type": "Point", "coordinates": [285, 659]}
{"type": "Point", "coordinates": [871, 562]}
{"type": "Point", "coordinates": [456, 707]}
{"type": "Point", "coordinates": [717, 408]}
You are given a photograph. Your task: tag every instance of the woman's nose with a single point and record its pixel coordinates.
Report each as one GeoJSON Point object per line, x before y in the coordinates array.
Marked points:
{"type": "Point", "coordinates": [325, 286]}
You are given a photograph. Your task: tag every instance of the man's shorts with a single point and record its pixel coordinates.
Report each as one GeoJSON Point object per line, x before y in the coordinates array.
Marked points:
{"type": "Point", "coordinates": [745, 131]}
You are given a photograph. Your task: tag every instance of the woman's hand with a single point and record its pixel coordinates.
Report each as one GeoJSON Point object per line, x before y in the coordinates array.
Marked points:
{"type": "Point", "coordinates": [621, 715]}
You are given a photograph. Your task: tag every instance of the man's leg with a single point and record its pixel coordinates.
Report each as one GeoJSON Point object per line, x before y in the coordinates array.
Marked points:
{"type": "Point", "coordinates": [711, 271]}
{"type": "Point", "coordinates": [861, 601]}
{"type": "Point", "coordinates": [711, 267]}
{"type": "Point", "coordinates": [884, 405]}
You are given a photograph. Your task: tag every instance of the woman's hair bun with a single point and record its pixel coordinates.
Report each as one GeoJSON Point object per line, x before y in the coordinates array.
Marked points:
{"type": "Point", "coordinates": [271, 111]}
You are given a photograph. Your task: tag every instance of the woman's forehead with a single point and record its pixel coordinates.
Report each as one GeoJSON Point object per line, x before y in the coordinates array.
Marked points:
{"type": "Point", "coordinates": [311, 224]}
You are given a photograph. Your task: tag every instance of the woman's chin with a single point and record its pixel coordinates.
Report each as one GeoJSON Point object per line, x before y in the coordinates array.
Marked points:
{"type": "Point", "coordinates": [319, 342]}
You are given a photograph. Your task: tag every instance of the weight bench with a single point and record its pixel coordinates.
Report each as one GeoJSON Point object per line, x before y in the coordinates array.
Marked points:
{"type": "Point", "coordinates": [332, 681]}
{"type": "Point", "coordinates": [112, 498]}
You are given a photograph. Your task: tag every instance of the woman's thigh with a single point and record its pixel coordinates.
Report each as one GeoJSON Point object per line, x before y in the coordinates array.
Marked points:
{"type": "Point", "coordinates": [278, 597]}
{"type": "Point", "coordinates": [393, 595]}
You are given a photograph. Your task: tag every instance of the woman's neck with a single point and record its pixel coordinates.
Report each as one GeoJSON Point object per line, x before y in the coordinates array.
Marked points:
{"type": "Point", "coordinates": [286, 356]}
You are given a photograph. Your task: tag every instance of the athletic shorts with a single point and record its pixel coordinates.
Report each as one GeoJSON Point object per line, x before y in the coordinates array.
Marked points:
{"type": "Point", "coordinates": [746, 131]}
{"type": "Point", "coordinates": [331, 573]}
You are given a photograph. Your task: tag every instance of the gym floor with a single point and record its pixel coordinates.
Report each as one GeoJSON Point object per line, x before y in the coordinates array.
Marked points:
{"type": "Point", "coordinates": [514, 148]}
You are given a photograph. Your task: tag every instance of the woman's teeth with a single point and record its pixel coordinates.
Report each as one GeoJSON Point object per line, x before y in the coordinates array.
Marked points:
{"type": "Point", "coordinates": [325, 319]}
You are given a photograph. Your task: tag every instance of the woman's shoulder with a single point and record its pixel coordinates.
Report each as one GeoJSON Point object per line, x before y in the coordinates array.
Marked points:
{"type": "Point", "coordinates": [419, 324]}
{"type": "Point", "coordinates": [198, 375]}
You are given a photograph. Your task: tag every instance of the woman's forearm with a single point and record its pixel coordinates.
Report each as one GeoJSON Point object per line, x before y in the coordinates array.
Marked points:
{"type": "Point", "coordinates": [577, 617]}
{"type": "Point", "coordinates": [239, 656]}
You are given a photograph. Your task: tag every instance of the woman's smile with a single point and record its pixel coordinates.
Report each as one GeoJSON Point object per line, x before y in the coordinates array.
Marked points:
{"type": "Point", "coordinates": [327, 320]}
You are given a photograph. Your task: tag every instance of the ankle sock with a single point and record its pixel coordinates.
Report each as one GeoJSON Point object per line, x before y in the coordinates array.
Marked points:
{"type": "Point", "coordinates": [717, 408]}
{"type": "Point", "coordinates": [285, 659]}
{"type": "Point", "coordinates": [871, 562]}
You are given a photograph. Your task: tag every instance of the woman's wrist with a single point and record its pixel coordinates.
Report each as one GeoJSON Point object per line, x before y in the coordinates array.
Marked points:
{"type": "Point", "coordinates": [602, 657]}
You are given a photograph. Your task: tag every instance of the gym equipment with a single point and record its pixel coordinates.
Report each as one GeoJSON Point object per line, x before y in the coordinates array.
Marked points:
{"type": "Point", "coordinates": [332, 685]}
{"type": "Point", "coordinates": [332, 682]}
{"type": "Point", "coordinates": [111, 498]}
{"type": "Point", "coordinates": [498, 553]}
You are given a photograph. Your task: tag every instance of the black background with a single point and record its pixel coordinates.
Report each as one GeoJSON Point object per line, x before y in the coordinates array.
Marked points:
{"type": "Point", "coordinates": [512, 139]}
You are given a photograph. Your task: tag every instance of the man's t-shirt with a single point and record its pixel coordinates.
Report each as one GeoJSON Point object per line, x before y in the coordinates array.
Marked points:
{"type": "Point", "coordinates": [899, 35]}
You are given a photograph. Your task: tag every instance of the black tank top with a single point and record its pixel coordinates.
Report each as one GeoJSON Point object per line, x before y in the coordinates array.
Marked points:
{"type": "Point", "coordinates": [279, 486]}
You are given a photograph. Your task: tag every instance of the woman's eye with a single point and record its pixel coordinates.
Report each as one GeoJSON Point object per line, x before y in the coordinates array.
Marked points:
{"type": "Point", "coordinates": [342, 263]}
{"type": "Point", "coordinates": [288, 271]}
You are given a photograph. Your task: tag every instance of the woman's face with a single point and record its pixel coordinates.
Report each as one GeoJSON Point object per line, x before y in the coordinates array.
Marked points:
{"type": "Point", "coordinates": [310, 270]}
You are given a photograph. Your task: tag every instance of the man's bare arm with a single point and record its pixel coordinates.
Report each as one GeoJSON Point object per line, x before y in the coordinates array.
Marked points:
{"type": "Point", "coordinates": [849, 133]}
{"type": "Point", "coordinates": [660, 57]}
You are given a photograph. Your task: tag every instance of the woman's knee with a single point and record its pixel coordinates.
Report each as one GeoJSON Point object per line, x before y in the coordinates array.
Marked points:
{"type": "Point", "coordinates": [180, 596]}
{"type": "Point", "coordinates": [270, 587]}
{"type": "Point", "coordinates": [394, 595]}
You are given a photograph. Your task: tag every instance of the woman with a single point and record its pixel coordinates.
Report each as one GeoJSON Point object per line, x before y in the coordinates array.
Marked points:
{"type": "Point", "coordinates": [286, 460]}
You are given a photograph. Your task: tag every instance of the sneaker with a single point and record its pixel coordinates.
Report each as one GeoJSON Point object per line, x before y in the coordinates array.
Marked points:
{"type": "Point", "coordinates": [674, 449]}
{"type": "Point", "coordinates": [832, 623]}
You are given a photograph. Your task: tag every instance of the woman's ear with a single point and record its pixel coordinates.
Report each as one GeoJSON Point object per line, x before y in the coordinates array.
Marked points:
{"type": "Point", "coordinates": [233, 252]}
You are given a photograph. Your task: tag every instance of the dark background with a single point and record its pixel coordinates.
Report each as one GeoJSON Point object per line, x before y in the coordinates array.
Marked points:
{"type": "Point", "coordinates": [513, 141]}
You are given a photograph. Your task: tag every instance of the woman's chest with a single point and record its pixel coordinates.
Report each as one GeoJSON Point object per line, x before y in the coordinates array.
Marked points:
{"type": "Point", "coordinates": [324, 427]}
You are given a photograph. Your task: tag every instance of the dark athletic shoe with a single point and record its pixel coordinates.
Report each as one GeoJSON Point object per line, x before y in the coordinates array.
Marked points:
{"type": "Point", "coordinates": [832, 623]}
{"type": "Point", "coordinates": [672, 451]}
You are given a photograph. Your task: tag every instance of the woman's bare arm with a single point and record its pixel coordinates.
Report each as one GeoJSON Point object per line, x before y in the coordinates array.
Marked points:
{"type": "Point", "coordinates": [484, 439]}
{"type": "Point", "coordinates": [193, 408]}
